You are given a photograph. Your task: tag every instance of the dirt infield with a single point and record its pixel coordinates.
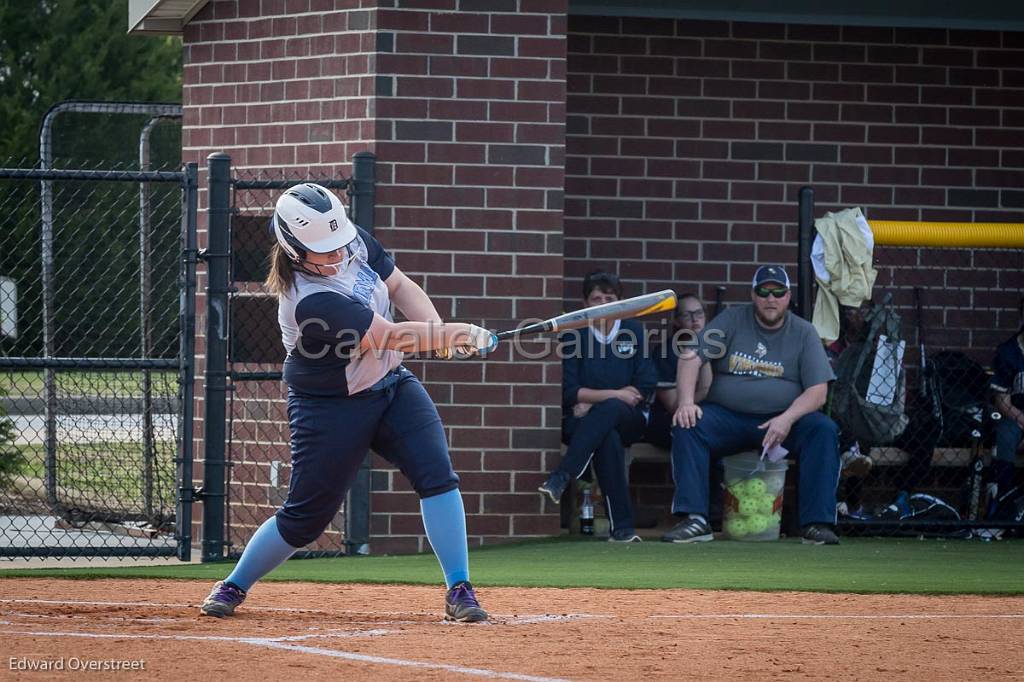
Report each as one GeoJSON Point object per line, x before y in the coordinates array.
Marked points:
{"type": "Point", "coordinates": [396, 633]}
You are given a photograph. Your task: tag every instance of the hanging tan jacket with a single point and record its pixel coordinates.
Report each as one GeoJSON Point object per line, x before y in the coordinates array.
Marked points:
{"type": "Point", "coordinates": [841, 257]}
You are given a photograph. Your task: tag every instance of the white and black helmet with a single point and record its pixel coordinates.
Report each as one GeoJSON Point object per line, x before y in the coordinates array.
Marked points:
{"type": "Point", "coordinates": [309, 217]}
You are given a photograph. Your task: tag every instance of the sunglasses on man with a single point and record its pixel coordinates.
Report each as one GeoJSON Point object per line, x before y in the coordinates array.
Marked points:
{"type": "Point", "coordinates": [765, 292]}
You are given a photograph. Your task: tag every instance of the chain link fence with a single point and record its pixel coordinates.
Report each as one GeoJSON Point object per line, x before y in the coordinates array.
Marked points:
{"type": "Point", "coordinates": [927, 446]}
{"type": "Point", "coordinates": [90, 385]}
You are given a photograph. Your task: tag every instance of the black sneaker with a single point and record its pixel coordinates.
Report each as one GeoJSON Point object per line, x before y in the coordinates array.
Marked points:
{"type": "Point", "coordinates": [555, 486]}
{"type": "Point", "coordinates": [624, 535]}
{"type": "Point", "coordinates": [690, 529]}
{"type": "Point", "coordinates": [819, 534]}
{"type": "Point", "coordinates": [460, 605]}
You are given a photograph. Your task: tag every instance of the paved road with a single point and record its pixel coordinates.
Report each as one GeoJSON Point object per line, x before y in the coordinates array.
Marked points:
{"type": "Point", "coordinates": [42, 531]}
{"type": "Point", "coordinates": [93, 428]}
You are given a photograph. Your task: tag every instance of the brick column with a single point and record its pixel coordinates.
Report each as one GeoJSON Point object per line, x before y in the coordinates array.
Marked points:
{"type": "Point", "coordinates": [470, 136]}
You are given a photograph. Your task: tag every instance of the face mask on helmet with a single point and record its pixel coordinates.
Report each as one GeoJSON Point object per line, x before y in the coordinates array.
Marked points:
{"type": "Point", "coordinates": [331, 269]}
{"type": "Point", "coordinates": [308, 218]}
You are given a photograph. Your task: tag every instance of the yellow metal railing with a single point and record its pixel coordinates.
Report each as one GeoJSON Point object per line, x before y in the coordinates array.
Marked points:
{"type": "Point", "coordinates": [948, 235]}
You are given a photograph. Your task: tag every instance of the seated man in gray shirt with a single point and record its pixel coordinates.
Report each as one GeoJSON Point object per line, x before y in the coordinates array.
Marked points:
{"type": "Point", "coordinates": [770, 379]}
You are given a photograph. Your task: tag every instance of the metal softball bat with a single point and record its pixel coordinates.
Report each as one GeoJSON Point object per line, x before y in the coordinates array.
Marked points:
{"type": "Point", "coordinates": [625, 309]}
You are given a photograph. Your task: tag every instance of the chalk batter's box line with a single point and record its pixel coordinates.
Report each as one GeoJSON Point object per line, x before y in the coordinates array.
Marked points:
{"type": "Point", "coordinates": [271, 643]}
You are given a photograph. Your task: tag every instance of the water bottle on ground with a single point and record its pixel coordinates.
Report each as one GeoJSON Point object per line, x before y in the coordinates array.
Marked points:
{"type": "Point", "coordinates": [587, 514]}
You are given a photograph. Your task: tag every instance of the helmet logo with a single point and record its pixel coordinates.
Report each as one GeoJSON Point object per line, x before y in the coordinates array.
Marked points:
{"type": "Point", "coordinates": [333, 225]}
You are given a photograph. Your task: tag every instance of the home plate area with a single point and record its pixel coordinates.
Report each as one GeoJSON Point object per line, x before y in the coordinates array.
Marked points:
{"type": "Point", "coordinates": [150, 629]}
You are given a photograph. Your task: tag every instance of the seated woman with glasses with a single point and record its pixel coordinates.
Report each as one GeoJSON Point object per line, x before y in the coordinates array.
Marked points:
{"type": "Point", "coordinates": [687, 323]}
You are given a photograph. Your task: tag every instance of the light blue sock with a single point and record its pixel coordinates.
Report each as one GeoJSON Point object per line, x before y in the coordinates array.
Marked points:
{"type": "Point", "coordinates": [266, 551]}
{"type": "Point", "coordinates": [444, 519]}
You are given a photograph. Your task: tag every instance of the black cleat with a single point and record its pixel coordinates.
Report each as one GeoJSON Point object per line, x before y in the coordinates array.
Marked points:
{"type": "Point", "coordinates": [819, 534]}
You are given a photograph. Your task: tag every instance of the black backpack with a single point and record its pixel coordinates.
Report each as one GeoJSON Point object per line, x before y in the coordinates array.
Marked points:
{"type": "Point", "coordinates": [864, 420]}
{"type": "Point", "coordinates": [963, 387]}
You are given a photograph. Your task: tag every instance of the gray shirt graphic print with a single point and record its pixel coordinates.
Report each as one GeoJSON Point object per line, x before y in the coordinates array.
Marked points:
{"type": "Point", "coordinates": [757, 370]}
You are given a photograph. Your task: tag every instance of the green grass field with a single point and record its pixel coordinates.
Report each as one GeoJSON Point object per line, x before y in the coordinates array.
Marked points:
{"type": "Point", "coordinates": [859, 565]}
{"type": "Point", "coordinates": [107, 384]}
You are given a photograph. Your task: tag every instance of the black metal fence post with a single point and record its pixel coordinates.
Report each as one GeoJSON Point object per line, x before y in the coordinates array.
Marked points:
{"type": "Point", "coordinates": [805, 273]}
{"type": "Point", "coordinates": [363, 191]}
{"type": "Point", "coordinates": [216, 257]}
{"type": "Point", "coordinates": [187, 371]}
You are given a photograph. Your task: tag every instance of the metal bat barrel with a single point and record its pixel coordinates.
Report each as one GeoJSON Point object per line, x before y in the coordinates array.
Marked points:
{"type": "Point", "coordinates": [637, 306]}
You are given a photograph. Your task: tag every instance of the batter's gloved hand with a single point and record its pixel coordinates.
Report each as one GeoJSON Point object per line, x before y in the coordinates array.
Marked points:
{"type": "Point", "coordinates": [478, 341]}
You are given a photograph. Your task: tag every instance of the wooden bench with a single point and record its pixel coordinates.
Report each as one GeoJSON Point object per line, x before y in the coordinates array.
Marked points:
{"type": "Point", "coordinates": [941, 457]}
{"type": "Point", "coordinates": [881, 456]}
{"type": "Point", "coordinates": [645, 452]}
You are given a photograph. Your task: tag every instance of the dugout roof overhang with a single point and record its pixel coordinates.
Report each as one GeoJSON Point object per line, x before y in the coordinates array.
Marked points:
{"type": "Point", "coordinates": [161, 17]}
{"type": "Point", "coordinates": [170, 16]}
{"type": "Point", "coordinates": [999, 15]}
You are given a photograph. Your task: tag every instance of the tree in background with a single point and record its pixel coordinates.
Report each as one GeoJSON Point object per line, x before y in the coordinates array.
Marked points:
{"type": "Point", "coordinates": [53, 51]}
{"type": "Point", "coordinates": [12, 461]}
{"type": "Point", "coordinates": [56, 50]}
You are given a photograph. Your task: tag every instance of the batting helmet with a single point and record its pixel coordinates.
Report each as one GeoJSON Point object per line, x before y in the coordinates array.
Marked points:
{"type": "Point", "coordinates": [309, 217]}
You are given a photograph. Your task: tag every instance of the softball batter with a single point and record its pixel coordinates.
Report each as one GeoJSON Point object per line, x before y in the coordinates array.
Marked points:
{"type": "Point", "coordinates": [348, 392]}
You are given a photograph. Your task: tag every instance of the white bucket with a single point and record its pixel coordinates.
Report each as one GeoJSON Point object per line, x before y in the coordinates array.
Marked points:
{"type": "Point", "coordinates": [753, 497]}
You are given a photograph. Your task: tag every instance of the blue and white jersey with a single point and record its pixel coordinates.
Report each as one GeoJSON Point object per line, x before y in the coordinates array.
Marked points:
{"type": "Point", "coordinates": [323, 319]}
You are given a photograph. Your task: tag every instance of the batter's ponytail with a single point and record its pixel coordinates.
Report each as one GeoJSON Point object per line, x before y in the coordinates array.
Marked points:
{"type": "Point", "coordinates": [279, 279]}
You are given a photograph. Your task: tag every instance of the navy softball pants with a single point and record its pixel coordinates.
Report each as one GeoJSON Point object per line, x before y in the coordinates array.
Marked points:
{"type": "Point", "coordinates": [330, 438]}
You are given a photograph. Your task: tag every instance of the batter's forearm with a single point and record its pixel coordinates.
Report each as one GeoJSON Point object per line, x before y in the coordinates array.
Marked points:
{"type": "Point", "coordinates": [415, 337]}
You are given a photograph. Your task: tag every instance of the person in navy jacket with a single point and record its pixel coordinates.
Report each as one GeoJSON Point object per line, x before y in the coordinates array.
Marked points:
{"type": "Point", "coordinates": [607, 385]}
{"type": "Point", "coordinates": [1008, 386]}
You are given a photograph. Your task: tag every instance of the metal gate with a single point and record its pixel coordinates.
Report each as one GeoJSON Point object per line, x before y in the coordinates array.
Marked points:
{"type": "Point", "coordinates": [97, 285]}
{"type": "Point", "coordinates": [246, 441]}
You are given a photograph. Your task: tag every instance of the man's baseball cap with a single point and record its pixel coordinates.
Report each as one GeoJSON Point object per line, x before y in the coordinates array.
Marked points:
{"type": "Point", "coordinates": [770, 273]}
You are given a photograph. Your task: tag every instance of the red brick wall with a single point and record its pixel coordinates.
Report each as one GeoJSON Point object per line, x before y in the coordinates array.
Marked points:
{"type": "Point", "coordinates": [465, 107]}
{"type": "Point", "coordinates": [279, 84]}
{"type": "Point", "coordinates": [470, 137]}
{"type": "Point", "coordinates": [688, 141]}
